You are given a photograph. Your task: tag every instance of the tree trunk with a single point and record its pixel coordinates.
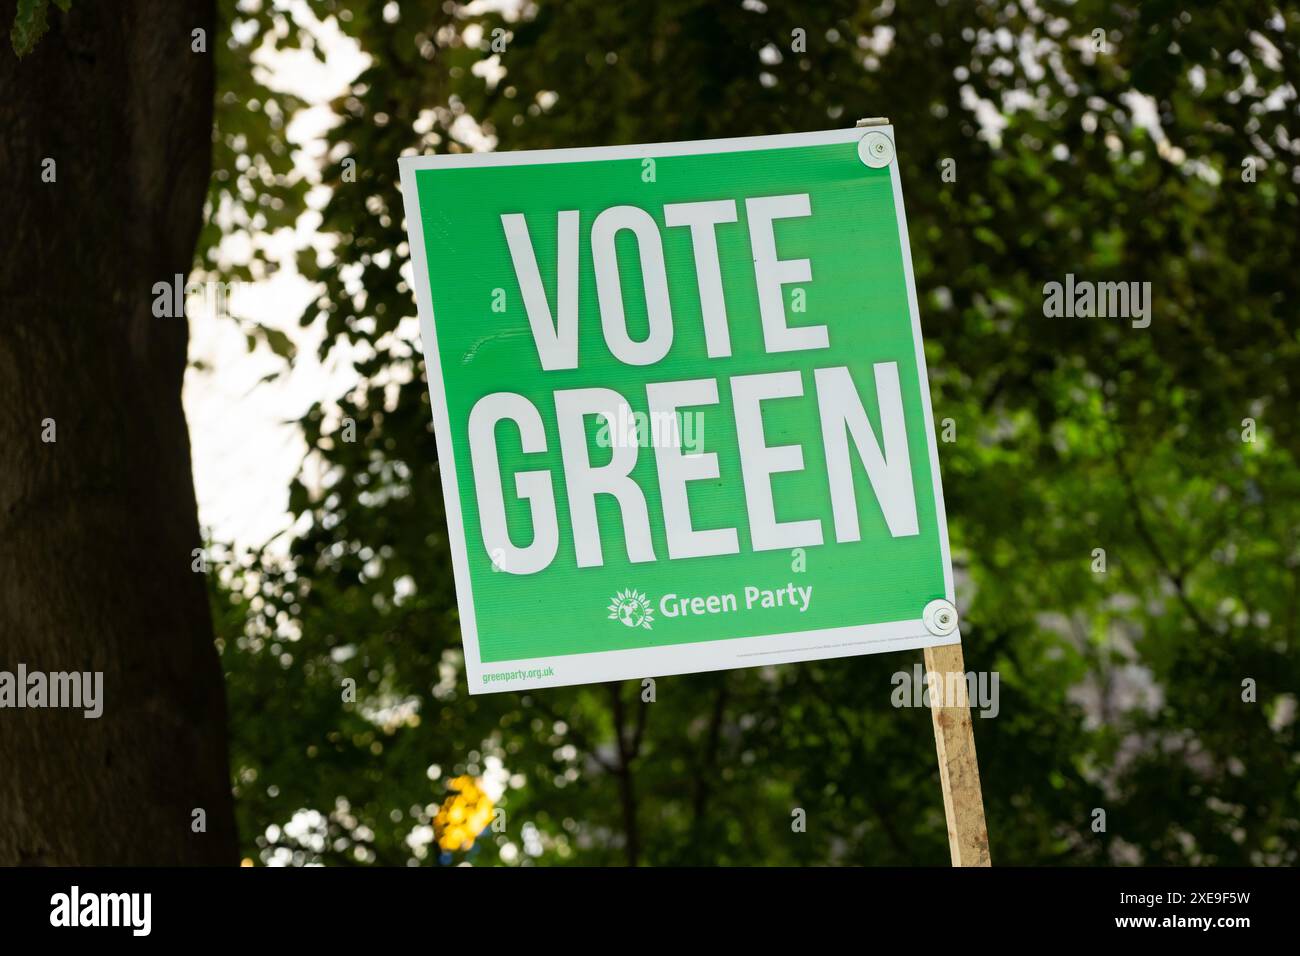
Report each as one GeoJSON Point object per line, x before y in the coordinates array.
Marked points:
{"type": "Point", "coordinates": [97, 527]}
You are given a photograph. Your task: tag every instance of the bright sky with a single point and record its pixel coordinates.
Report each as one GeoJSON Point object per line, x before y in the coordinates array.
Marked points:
{"type": "Point", "coordinates": [245, 447]}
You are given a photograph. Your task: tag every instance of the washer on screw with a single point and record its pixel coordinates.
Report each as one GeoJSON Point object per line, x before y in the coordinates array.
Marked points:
{"type": "Point", "coordinates": [875, 149]}
{"type": "Point", "coordinates": [940, 617]}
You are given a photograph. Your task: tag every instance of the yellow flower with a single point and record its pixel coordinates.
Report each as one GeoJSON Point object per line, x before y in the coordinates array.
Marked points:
{"type": "Point", "coordinates": [465, 814]}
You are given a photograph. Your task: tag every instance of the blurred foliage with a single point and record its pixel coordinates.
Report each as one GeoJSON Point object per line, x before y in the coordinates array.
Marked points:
{"type": "Point", "coordinates": [1120, 690]}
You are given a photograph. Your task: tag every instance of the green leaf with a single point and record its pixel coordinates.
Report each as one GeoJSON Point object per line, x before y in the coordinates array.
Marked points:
{"type": "Point", "coordinates": [30, 25]}
{"type": "Point", "coordinates": [280, 343]}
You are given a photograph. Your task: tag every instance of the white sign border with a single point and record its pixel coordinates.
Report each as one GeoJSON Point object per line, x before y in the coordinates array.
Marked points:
{"type": "Point", "coordinates": [672, 659]}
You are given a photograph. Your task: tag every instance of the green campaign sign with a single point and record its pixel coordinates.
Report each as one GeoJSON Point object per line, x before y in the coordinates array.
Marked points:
{"type": "Point", "coordinates": [681, 406]}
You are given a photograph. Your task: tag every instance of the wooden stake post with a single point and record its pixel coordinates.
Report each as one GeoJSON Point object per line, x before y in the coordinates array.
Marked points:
{"type": "Point", "coordinates": [954, 737]}
{"type": "Point", "coordinates": [959, 772]}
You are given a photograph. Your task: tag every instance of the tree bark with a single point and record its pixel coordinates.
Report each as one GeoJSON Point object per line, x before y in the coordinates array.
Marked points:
{"type": "Point", "coordinates": [97, 528]}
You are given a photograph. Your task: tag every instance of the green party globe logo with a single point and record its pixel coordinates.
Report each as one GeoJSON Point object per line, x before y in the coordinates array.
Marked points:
{"type": "Point", "coordinates": [632, 608]}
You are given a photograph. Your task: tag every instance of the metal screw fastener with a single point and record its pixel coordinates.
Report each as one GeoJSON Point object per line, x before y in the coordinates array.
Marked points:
{"type": "Point", "coordinates": [876, 149]}
{"type": "Point", "coordinates": [940, 617]}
